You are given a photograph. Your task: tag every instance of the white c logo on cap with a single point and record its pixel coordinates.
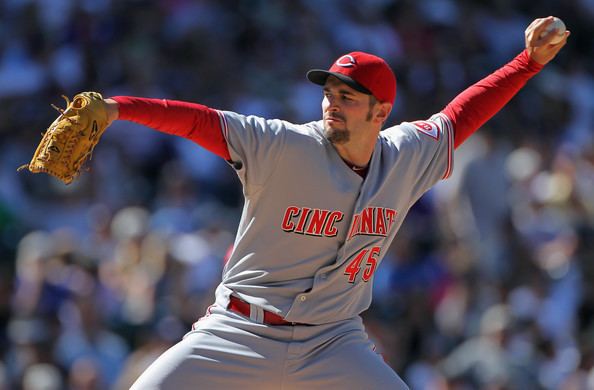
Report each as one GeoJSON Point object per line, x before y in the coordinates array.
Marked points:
{"type": "Point", "coordinates": [346, 61]}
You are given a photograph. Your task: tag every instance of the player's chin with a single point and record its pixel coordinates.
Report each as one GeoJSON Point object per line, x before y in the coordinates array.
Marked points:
{"type": "Point", "coordinates": [336, 136]}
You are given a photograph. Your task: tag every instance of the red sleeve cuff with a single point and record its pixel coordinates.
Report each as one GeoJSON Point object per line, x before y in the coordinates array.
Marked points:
{"type": "Point", "coordinates": [531, 65]}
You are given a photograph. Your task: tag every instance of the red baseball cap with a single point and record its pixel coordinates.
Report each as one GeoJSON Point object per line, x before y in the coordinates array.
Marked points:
{"type": "Point", "coordinates": [363, 72]}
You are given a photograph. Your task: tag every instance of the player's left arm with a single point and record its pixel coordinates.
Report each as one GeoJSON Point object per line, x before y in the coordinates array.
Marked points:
{"type": "Point", "coordinates": [477, 104]}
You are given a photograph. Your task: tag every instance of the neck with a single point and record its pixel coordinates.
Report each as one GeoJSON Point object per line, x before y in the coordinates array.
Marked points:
{"type": "Point", "coordinates": [359, 145]}
{"type": "Point", "coordinates": [357, 158]}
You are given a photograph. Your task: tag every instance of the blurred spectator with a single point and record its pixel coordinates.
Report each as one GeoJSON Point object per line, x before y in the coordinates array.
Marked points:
{"type": "Point", "coordinates": [42, 377]}
{"type": "Point", "coordinates": [481, 361]}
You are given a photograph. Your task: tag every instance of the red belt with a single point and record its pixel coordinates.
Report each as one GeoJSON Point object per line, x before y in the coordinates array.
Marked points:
{"type": "Point", "coordinates": [240, 306]}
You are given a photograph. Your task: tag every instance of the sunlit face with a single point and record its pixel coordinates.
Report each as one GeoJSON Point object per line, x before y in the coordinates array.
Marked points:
{"type": "Point", "coordinates": [346, 111]}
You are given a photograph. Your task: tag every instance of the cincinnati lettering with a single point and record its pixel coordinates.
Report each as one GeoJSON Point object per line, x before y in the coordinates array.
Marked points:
{"type": "Point", "coordinates": [373, 221]}
{"type": "Point", "coordinates": [312, 222]}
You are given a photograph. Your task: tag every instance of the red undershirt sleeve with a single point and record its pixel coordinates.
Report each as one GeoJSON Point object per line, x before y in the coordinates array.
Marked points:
{"type": "Point", "coordinates": [193, 121]}
{"type": "Point", "coordinates": [478, 103]}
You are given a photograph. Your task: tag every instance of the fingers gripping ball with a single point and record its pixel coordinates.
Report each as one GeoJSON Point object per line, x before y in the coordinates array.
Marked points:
{"type": "Point", "coordinates": [558, 25]}
{"type": "Point", "coordinates": [69, 141]}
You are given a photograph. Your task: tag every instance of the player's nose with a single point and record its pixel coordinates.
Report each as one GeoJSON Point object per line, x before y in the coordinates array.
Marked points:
{"type": "Point", "coordinates": [332, 104]}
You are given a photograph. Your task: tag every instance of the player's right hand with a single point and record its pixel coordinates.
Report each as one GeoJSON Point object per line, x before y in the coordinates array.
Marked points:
{"type": "Point", "coordinates": [113, 111]}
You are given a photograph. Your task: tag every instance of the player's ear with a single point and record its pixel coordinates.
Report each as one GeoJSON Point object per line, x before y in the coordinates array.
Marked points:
{"type": "Point", "coordinates": [383, 111]}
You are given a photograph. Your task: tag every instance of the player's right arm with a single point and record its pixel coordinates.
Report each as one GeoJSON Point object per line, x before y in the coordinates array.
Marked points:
{"type": "Point", "coordinates": [252, 145]}
{"type": "Point", "coordinates": [195, 122]}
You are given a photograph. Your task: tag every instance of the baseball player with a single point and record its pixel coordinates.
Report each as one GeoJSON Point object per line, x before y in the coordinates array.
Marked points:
{"type": "Point", "coordinates": [323, 201]}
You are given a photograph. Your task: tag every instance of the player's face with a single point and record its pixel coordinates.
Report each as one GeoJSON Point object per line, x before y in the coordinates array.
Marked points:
{"type": "Point", "coordinates": [345, 111]}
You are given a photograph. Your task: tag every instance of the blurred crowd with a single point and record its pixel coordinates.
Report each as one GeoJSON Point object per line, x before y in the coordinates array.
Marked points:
{"type": "Point", "coordinates": [487, 286]}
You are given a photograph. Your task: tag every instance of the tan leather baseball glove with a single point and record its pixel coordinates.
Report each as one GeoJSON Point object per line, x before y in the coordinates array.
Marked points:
{"type": "Point", "coordinates": [71, 138]}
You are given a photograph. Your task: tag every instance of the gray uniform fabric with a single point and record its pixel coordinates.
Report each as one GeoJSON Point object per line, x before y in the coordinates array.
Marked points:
{"type": "Point", "coordinates": [287, 261]}
{"type": "Point", "coordinates": [227, 351]}
{"type": "Point", "coordinates": [311, 236]}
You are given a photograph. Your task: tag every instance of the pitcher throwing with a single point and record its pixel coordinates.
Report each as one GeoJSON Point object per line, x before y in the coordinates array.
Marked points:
{"type": "Point", "coordinates": [323, 202]}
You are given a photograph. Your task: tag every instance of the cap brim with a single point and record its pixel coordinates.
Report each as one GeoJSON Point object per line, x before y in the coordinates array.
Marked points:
{"type": "Point", "coordinates": [319, 76]}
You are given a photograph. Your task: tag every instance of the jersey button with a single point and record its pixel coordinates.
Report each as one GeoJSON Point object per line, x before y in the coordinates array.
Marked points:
{"type": "Point", "coordinates": [302, 298]}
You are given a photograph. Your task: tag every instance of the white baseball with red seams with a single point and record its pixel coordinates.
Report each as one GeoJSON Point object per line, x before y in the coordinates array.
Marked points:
{"type": "Point", "coordinates": [558, 25]}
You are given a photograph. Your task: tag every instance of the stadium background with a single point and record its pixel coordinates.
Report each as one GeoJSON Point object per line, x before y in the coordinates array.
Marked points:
{"type": "Point", "coordinates": [489, 283]}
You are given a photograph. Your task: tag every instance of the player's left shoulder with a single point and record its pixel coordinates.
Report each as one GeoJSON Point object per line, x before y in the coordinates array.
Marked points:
{"type": "Point", "coordinates": [428, 128]}
{"type": "Point", "coordinates": [436, 128]}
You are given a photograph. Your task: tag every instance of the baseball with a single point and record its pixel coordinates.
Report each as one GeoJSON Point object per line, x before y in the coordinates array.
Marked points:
{"type": "Point", "coordinates": [558, 25]}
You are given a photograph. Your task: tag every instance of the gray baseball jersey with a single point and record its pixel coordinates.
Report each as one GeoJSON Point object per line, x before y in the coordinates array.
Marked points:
{"type": "Point", "coordinates": [312, 231]}
{"type": "Point", "coordinates": [311, 236]}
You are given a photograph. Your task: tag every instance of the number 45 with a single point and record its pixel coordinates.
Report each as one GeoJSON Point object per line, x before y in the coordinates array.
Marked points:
{"type": "Point", "coordinates": [370, 255]}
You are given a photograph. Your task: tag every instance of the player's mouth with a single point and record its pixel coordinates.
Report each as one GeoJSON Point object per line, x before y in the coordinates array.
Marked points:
{"type": "Point", "coordinates": [334, 119]}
